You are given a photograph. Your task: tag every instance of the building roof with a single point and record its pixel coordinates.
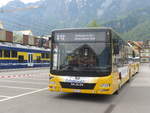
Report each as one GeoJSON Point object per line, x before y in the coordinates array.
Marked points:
{"type": "Point", "coordinates": [26, 32]}
{"type": "Point", "coordinates": [21, 47]}
{"type": "Point", "coordinates": [136, 44]}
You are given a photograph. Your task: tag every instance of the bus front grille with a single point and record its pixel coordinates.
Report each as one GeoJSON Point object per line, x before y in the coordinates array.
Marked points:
{"type": "Point", "coordinates": [77, 85]}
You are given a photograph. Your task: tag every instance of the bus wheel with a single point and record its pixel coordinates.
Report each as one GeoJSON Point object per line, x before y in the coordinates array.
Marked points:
{"type": "Point", "coordinates": [117, 92]}
{"type": "Point", "coordinates": [129, 79]}
{"type": "Point", "coordinates": [130, 76]}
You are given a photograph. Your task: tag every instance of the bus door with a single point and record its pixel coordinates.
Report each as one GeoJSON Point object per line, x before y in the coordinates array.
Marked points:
{"type": "Point", "coordinates": [30, 60]}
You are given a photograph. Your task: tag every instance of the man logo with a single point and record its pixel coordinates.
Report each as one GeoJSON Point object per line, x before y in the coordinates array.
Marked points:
{"type": "Point", "coordinates": [77, 78]}
{"type": "Point", "coordinates": [77, 84]}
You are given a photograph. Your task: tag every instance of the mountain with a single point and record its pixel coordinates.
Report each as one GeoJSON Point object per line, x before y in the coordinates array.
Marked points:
{"type": "Point", "coordinates": [140, 32]}
{"type": "Point", "coordinates": [134, 25]}
{"type": "Point", "coordinates": [127, 22]}
{"type": "Point", "coordinates": [122, 15]}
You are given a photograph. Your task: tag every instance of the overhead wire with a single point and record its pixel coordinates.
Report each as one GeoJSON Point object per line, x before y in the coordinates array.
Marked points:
{"type": "Point", "coordinates": [21, 25]}
{"type": "Point", "coordinates": [39, 20]}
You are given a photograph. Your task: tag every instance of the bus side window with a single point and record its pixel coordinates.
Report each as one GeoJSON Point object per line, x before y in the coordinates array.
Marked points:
{"type": "Point", "coordinates": [116, 46]}
{"type": "Point", "coordinates": [126, 55]}
{"type": "Point", "coordinates": [119, 52]}
{"type": "Point", "coordinates": [21, 59]}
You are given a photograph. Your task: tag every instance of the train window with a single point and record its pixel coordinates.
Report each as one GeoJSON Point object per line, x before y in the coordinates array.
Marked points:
{"type": "Point", "coordinates": [21, 59]}
{"type": "Point", "coordinates": [6, 53]}
{"type": "Point", "coordinates": [38, 58]}
{"type": "Point", "coordinates": [43, 55]}
{"type": "Point", "coordinates": [48, 61]}
{"type": "Point", "coordinates": [0, 53]}
{"type": "Point", "coordinates": [14, 54]}
{"type": "Point", "coordinates": [47, 55]}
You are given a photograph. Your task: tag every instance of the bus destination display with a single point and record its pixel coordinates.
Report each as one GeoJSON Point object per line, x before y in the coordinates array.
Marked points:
{"type": "Point", "coordinates": [80, 37]}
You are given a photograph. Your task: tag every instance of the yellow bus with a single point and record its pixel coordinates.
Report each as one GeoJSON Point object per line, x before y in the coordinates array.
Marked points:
{"type": "Point", "coordinates": [92, 61]}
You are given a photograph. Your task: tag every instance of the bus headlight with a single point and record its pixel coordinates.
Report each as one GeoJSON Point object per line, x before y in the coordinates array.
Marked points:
{"type": "Point", "coordinates": [50, 77]}
{"type": "Point", "coordinates": [52, 82]}
{"type": "Point", "coordinates": [105, 85]}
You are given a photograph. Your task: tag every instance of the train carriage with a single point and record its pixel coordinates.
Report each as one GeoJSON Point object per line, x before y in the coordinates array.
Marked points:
{"type": "Point", "coordinates": [19, 56]}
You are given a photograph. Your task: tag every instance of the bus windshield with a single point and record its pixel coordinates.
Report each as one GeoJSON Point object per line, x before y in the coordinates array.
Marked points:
{"type": "Point", "coordinates": [82, 56]}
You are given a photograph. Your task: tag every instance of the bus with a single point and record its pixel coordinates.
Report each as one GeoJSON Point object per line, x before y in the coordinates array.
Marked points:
{"type": "Point", "coordinates": [90, 61]}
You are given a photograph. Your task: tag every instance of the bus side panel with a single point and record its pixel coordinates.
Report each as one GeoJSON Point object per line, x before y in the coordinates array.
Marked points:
{"type": "Point", "coordinates": [116, 82]}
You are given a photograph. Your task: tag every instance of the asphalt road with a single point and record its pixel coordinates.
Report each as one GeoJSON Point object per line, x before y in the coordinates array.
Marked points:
{"type": "Point", "coordinates": [25, 91]}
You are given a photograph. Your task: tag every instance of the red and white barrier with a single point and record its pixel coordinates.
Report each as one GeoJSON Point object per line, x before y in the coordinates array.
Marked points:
{"type": "Point", "coordinates": [15, 76]}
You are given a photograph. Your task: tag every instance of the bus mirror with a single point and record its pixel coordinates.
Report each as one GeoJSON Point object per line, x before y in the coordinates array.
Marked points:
{"type": "Point", "coordinates": [116, 49]}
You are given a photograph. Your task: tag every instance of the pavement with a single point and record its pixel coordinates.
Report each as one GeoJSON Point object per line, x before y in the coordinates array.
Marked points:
{"type": "Point", "coordinates": [26, 91]}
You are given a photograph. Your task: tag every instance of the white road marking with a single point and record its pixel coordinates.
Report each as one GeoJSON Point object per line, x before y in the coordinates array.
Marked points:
{"type": "Point", "coordinates": [4, 96]}
{"type": "Point", "coordinates": [18, 87]}
{"type": "Point", "coordinates": [40, 83]}
{"type": "Point", "coordinates": [24, 94]}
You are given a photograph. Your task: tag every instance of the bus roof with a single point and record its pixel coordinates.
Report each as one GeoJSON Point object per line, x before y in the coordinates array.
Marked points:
{"type": "Point", "coordinates": [83, 29]}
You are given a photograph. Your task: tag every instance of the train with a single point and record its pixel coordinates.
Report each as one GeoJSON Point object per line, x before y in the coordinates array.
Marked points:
{"type": "Point", "coordinates": [13, 55]}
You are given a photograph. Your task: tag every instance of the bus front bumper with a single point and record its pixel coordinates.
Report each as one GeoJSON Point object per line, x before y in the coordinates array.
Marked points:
{"type": "Point", "coordinates": [107, 91]}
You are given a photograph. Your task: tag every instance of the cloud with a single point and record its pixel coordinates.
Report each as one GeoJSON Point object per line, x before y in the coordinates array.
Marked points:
{"type": "Point", "coordinates": [4, 2]}
{"type": "Point", "coordinates": [29, 1]}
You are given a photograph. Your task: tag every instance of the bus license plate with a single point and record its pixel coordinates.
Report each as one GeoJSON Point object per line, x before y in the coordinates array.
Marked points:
{"type": "Point", "coordinates": [77, 91]}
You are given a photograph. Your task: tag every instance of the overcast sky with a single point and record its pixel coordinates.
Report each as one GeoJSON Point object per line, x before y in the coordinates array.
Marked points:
{"type": "Point", "coordinates": [4, 2]}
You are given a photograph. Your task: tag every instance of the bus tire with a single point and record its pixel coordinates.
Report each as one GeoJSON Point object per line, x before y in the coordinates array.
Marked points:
{"type": "Point", "coordinates": [129, 79]}
{"type": "Point", "coordinates": [130, 76]}
{"type": "Point", "coordinates": [117, 92]}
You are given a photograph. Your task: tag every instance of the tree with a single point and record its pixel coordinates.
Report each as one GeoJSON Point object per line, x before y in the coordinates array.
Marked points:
{"type": "Point", "coordinates": [93, 23]}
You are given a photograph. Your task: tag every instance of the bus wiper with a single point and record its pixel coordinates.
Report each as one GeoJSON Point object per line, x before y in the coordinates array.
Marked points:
{"type": "Point", "coordinates": [66, 67]}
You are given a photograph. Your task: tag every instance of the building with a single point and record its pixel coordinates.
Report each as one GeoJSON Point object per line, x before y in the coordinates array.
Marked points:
{"type": "Point", "coordinates": [25, 32]}
{"type": "Point", "coordinates": [145, 52]}
{"type": "Point", "coordinates": [137, 45]}
{"type": "Point", "coordinates": [1, 25]}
